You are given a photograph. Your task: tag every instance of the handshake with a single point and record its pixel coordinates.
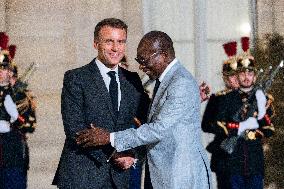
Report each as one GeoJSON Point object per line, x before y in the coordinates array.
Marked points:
{"type": "Point", "coordinates": [95, 136]}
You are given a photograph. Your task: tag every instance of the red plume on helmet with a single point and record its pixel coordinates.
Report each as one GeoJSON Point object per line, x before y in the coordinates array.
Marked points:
{"type": "Point", "coordinates": [230, 65]}
{"type": "Point", "coordinates": [245, 43]}
{"type": "Point", "coordinates": [12, 51]}
{"type": "Point", "coordinates": [4, 40]}
{"type": "Point", "coordinates": [230, 48]}
{"type": "Point", "coordinates": [246, 60]}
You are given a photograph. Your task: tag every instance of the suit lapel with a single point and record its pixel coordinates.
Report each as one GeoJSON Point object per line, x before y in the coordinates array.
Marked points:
{"type": "Point", "coordinates": [101, 87]}
{"type": "Point", "coordinates": [124, 88]}
{"type": "Point", "coordinates": [161, 90]}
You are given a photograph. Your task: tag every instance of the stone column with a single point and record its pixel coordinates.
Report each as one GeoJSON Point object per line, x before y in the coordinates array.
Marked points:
{"type": "Point", "coordinates": [200, 40]}
{"type": "Point", "coordinates": [132, 15]}
{"type": "Point", "coordinates": [270, 17]}
{"type": "Point", "coordinates": [176, 19]}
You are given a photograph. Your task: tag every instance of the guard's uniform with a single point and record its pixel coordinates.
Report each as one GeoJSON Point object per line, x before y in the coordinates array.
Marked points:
{"type": "Point", "coordinates": [244, 137]}
{"type": "Point", "coordinates": [247, 157]}
{"type": "Point", "coordinates": [219, 157]}
{"type": "Point", "coordinates": [14, 156]}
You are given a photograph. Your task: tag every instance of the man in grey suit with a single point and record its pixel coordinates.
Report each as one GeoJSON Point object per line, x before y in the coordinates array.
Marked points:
{"type": "Point", "coordinates": [175, 154]}
{"type": "Point", "coordinates": [108, 96]}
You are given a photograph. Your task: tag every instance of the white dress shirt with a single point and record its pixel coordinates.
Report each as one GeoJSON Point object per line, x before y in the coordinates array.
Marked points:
{"type": "Point", "coordinates": [104, 70]}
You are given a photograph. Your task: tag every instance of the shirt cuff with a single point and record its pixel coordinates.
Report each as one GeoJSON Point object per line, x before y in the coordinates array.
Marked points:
{"type": "Point", "coordinates": [111, 138]}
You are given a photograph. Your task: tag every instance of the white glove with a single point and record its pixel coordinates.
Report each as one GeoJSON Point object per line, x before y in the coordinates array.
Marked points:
{"type": "Point", "coordinates": [250, 123]}
{"type": "Point", "coordinates": [261, 103]}
{"type": "Point", "coordinates": [11, 108]}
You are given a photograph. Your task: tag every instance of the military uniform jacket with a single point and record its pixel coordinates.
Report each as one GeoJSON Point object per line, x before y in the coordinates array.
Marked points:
{"type": "Point", "coordinates": [13, 144]}
{"type": "Point", "coordinates": [219, 156]}
{"type": "Point", "coordinates": [247, 158]}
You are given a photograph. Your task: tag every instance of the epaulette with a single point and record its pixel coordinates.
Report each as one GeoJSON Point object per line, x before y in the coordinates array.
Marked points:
{"type": "Point", "coordinates": [270, 97]}
{"type": "Point", "coordinates": [269, 104]}
{"type": "Point", "coordinates": [223, 92]}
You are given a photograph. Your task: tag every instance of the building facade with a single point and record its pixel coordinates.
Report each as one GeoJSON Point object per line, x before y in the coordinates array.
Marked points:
{"type": "Point", "coordinates": [58, 35]}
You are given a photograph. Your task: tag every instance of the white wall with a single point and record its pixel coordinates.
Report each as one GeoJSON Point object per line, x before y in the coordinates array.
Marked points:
{"type": "Point", "coordinates": [176, 19]}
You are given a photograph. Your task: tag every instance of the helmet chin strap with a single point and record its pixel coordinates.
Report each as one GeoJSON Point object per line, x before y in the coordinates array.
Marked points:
{"type": "Point", "coordinates": [4, 83]}
{"type": "Point", "coordinates": [246, 89]}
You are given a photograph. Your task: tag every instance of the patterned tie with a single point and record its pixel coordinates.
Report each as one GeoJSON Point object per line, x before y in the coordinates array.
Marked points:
{"type": "Point", "coordinates": [113, 91]}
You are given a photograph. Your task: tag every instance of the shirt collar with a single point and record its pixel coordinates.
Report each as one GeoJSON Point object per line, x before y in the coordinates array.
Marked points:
{"type": "Point", "coordinates": [103, 69]}
{"type": "Point", "coordinates": [167, 69]}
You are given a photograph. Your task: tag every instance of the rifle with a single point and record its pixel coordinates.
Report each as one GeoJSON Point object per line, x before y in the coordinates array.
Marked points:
{"type": "Point", "coordinates": [28, 73]}
{"type": "Point", "coordinates": [23, 80]}
{"type": "Point", "coordinates": [263, 84]}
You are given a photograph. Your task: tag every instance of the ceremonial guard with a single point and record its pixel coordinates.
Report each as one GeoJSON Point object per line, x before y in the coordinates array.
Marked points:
{"type": "Point", "coordinates": [17, 117]}
{"type": "Point", "coordinates": [218, 155]}
{"type": "Point", "coordinates": [245, 118]}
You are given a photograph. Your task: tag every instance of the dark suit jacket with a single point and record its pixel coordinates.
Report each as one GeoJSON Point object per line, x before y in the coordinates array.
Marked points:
{"type": "Point", "coordinates": [85, 100]}
{"type": "Point", "coordinates": [219, 156]}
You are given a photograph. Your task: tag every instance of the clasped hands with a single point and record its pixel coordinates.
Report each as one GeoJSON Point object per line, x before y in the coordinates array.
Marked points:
{"type": "Point", "coordinates": [95, 136]}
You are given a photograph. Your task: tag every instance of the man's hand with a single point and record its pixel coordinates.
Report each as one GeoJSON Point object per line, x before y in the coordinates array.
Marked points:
{"type": "Point", "coordinates": [204, 91]}
{"type": "Point", "coordinates": [123, 161]}
{"type": "Point", "coordinates": [94, 136]}
{"type": "Point", "coordinates": [250, 123]}
{"type": "Point", "coordinates": [137, 122]}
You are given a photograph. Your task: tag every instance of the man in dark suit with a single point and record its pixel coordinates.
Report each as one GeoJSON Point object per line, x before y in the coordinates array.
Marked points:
{"type": "Point", "coordinates": [106, 95]}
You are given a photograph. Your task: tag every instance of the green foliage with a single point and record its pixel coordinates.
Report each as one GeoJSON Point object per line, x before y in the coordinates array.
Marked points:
{"type": "Point", "coordinates": [269, 51]}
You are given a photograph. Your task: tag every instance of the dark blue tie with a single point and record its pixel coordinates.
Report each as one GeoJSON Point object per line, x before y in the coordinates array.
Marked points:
{"type": "Point", "coordinates": [157, 84]}
{"type": "Point", "coordinates": [113, 91]}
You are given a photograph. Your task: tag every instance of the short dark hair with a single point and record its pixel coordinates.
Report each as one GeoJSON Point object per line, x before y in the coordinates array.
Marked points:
{"type": "Point", "coordinates": [165, 43]}
{"type": "Point", "coordinates": [112, 22]}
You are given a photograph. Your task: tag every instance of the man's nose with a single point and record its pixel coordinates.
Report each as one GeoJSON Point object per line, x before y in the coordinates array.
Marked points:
{"type": "Point", "coordinates": [115, 46]}
{"type": "Point", "coordinates": [247, 75]}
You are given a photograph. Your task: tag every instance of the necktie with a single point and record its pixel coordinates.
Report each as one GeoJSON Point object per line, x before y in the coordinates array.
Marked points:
{"type": "Point", "coordinates": [113, 91]}
{"type": "Point", "coordinates": [157, 84]}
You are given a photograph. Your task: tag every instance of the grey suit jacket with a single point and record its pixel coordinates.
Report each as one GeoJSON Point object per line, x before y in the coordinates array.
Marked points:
{"type": "Point", "coordinates": [85, 100]}
{"type": "Point", "coordinates": [176, 156]}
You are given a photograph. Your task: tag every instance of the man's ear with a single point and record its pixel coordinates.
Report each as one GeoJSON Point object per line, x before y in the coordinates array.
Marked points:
{"type": "Point", "coordinates": [254, 78]}
{"type": "Point", "coordinates": [225, 79]}
{"type": "Point", "coordinates": [95, 44]}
